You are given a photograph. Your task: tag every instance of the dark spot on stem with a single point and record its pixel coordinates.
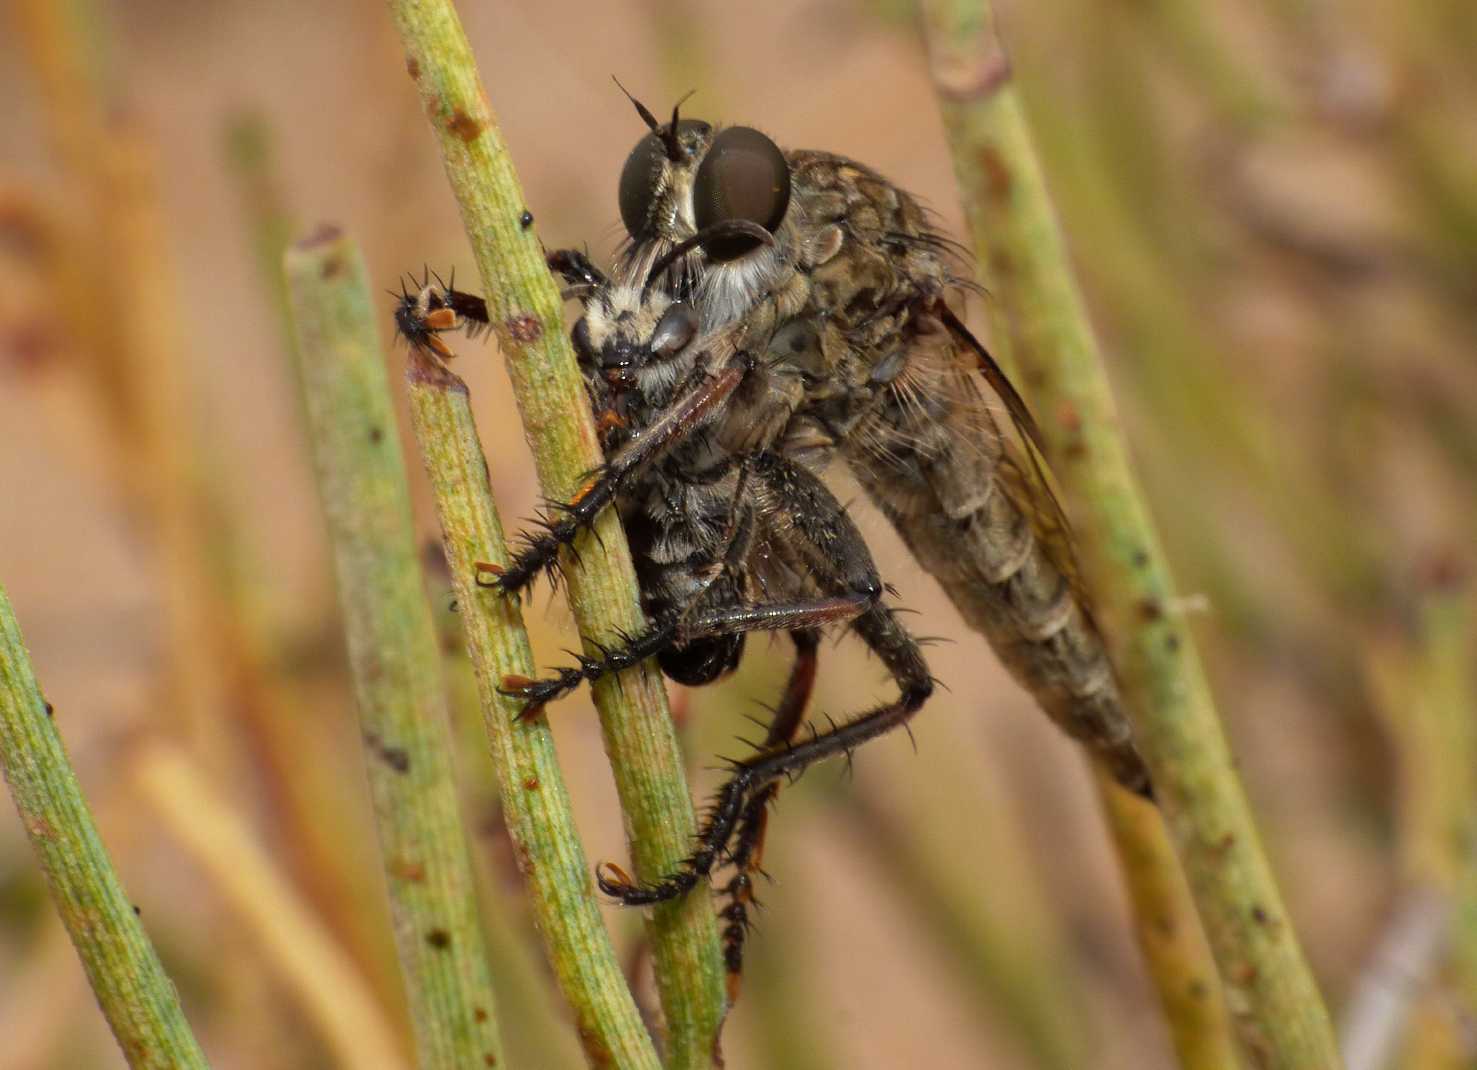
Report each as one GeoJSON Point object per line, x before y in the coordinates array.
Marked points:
{"type": "Point", "coordinates": [395, 757]}
{"type": "Point", "coordinates": [526, 219]}
{"type": "Point", "coordinates": [138, 911]}
{"type": "Point", "coordinates": [440, 939]}
{"type": "Point", "coordinates": [332, 267]}
{"type": "Point", "coordinates": [413, 872]}
{"type": "Point", "coordinates": [524, 328]}
{"type": "Point", "coordinates": [597, 1052]}
{"type": "Point", "coordinates": [531, 784]}
{"type": "Point", "coordinates": [413, 67]}
{"type": "Point", "coordinates": [1443, 573]}
{"type": "Point", "coordinates": [50, 710]}
{"type": "Point", "coordinates": [489, 1059]}
{"type": "Point", "coordinates": [996, 174]}
{"type": "Point", "coordinates": [464, 126]}
{"type": "Point", "coordinates": [479, 1014]}
{"type": "Point", "coordinates": [376, 435]}
{"type": "Point", "coordinates": [1140, 558]}
{"type": "Point", "coordinates": [1260, 915]}
{"type": "Point", "coordinates": [1151, 610]}
{"type": "Point", "coordinates": [1172, 643]}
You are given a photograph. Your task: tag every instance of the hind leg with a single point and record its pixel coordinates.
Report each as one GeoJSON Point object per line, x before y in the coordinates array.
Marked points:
{"type": "Point", "coordinates": [748, 851]}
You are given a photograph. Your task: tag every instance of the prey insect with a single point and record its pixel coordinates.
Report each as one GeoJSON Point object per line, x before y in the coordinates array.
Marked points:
{"type": "Point", "coordinates": [431, 309]}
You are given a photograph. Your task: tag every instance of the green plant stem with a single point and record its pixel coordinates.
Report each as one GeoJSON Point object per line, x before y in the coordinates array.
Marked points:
{"type": "Point", "coordinates": [1168, 931]}
{"type": "Point", "coordinates": [393, 654]}
{"type": "Point", "coordinates": [1426, 689]}
{"type": "Point", "coordinates": [535, 800]}
{"type": "Point", "coordinates": [1279, 1015]}
{"type": "Point", "coordinates": [527, 317]}
{"type": "Point", "coordinates": [137, 998]}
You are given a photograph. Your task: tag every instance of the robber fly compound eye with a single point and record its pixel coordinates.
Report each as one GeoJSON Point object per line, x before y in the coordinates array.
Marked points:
{"type": "Point", "coordinates": [744, 176]}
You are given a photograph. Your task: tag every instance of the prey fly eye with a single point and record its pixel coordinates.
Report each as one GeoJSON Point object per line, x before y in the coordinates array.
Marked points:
{"type": "Point", "coordinates": [674, 330]}
{"type": "Point", "coordinates": [744, 176]}
{"type": "Point", "coordinates": [641, 177]}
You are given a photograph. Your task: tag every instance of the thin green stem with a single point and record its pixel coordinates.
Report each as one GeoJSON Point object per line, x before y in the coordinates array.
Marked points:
{"type": "Point", "coordinates": [1168, 931]}
{"type": "Point", "coordinates": [535, 800]}
{"type": "Point", "coordinates": [1279, 1015]}
{"type": "Point", "coordinates": [527, 317]}
{"type": "Point", "coordinates": [393, 654]}
{"type": "Point", "coordinates": [137, 998]}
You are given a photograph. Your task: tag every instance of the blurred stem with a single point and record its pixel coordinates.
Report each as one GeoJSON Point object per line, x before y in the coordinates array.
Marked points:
{"type": "Point", "coordinates": [257, 643]}
{"type": "Point", "coordinates": [393, 654]}
{"type": "Point", "coordinates": [136, 997]}
{"type": "Point", "coordinates": [333, 995]}
{"type": "Point", "coordinates": [250, 151]}
{"type": "Point", "coordinates": [535, 800]}
{"type": "Point", "coordinates": [1279, 1014]}
{"type": "Point", "coordinates": [1428, 698]}
{"type": "Point", "coordinates": [1168, 931]}
{"type": "Point", "coordinates": [526, 313]}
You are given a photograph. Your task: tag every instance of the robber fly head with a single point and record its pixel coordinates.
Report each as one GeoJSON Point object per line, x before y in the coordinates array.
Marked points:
{"type": "Point", "coordinates": [725, 191]}
{"type": "Point", "coordinates": [422, 316]}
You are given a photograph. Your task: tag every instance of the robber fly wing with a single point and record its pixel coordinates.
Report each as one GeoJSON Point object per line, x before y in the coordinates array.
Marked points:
{"type": "Point", "coordinates": [1023, 472]}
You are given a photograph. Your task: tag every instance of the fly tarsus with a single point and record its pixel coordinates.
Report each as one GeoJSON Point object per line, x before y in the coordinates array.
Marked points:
{"type": "Point", "coordinates": [536, 694]}
{"type": "Point", "coordinates": [739, 891]}
{"type": "Point", "coordinates": [539, 552]}
{"type": "Point", "coordinates": [575, 266]}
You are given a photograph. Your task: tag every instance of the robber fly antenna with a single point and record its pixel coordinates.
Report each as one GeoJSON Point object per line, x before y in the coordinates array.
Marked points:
{"type": "Point", "coordinates": [641, 109]}
{"type": "Point", "coordinates": [669, 135]}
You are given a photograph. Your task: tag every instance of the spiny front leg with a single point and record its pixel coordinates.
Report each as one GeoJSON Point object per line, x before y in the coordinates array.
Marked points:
{"type": "Point", "coordinates": [561, 524]}
{"type": "Point", "coordinates": [694, 404]}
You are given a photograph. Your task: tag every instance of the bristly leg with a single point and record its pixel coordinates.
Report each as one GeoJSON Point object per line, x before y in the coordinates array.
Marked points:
{"type": "Point", "coordinates": [540, 552]}
{"type": "Point", "coordinates": [678, 630]}
{"type": "Point", "coordinates": [748, 851]}
{"type": "Point", "coordinates": [575, 267]}
{"type": "Point", "coordinates": [879, 629]}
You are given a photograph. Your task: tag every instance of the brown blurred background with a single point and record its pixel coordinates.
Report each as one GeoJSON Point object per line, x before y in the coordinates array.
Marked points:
{"type": "Point", "coordinates": [1274, 211]}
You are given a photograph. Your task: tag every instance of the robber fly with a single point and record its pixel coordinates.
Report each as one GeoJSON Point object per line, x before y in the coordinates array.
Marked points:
{"type": "Point", "coordinates": [826, 271]}
{"type": "Point", "coordinates": [771, 312]}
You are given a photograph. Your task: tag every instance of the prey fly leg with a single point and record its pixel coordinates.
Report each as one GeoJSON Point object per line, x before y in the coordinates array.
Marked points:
{"type": "Point", "coordinates": [748, 848]}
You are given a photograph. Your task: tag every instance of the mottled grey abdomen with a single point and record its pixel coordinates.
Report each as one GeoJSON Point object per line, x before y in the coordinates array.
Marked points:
{"type": "Point", "coordinates": [941, 486]}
